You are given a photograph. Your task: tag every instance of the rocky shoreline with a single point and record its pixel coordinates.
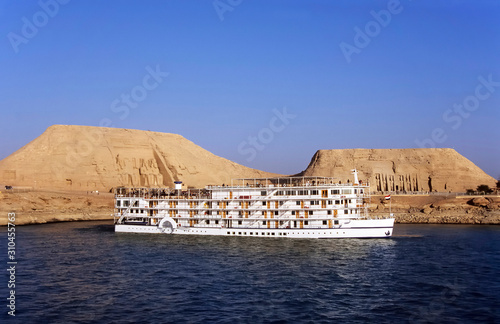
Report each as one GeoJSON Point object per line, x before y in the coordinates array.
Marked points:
{"type": "Point", "coordinates": [439, 209]}
{"type": "Point", "coordinates": [39, 207]}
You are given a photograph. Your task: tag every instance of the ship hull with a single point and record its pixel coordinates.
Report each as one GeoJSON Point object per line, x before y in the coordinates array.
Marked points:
{"type": "Point", "coordinates": [370, 228]}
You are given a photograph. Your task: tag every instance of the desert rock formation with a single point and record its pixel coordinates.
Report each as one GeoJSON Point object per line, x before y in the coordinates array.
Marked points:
{"type": "Point", "coordinates": [98, 158]}
{"type": "Point", "coordinates": [439, 209]}
{"type": "Point", "coordinates": [403, 170]}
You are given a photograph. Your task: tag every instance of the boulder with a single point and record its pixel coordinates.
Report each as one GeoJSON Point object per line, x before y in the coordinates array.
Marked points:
{"type": "Point", "coordinates": [479, 202]}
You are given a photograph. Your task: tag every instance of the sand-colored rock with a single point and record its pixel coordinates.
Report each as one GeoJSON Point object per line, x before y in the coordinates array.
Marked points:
{"type": "Point", "coordinates": [438, 209]}
{"type": "Point", "coordinates": [47, 206]}
{"type": "Point", "coordinates": [480, 202]}
{"type": "Point", "coordinates": [403, 170]}
{"type": "Point", "coordinates": [98, 158]}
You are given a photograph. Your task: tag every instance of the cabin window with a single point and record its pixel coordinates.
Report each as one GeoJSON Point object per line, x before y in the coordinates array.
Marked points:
{"type": "Point", "coordinates": [330, 202]}
{"type": "Point", "coordinates": [294, 223]}
{"type": "Point", "coordinates": [263, 193]}
{"type": "Point", "coordinates": [324, 222]}
{"type": "Point", "coordinates": [263, 213]}
{"type": "Point", "coordinates": [346, 211]}
{"type": "Point", "coordinates": [310, 212]}
{"type": "Point", "coordinates": [208, 221]}
{"type": "Point", "coordinates": [240, 222]}
{"type": "Point", "coordinates": [314, 192]}
{"type": "Point", "coordinates": [297, 203]}
{"type": "Point", "coordinates": [293, 212]}
{"type": "Point", "coordinates": [336, 222]}
{"type": "Point", "coordinates": [118, 202]}
{"type": "Point", "coordinates": [329, 212]}
{"type": "Point", "coordinates": [337, 202]}
{"type": "Point", "coordinates": [216, 222]}
{"type": "Point", "coordinates": [346, 191]}
{"type": "Point", "coordinates": [126, 203]}
{"type": "Point", "coordinates": [264, 222]}
{"type": "Point", "coordinates": [335, 192]}
{"type": "Point", "coordinates": [263, 203]}
{"type": "Point", "coordinates": [276, 213]}
{"type": "Point", "coordinates": [306, 222]}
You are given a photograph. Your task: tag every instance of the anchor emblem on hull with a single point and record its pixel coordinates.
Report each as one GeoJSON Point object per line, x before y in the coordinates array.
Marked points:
{"type": "Point", "coordinates": [387, 233]}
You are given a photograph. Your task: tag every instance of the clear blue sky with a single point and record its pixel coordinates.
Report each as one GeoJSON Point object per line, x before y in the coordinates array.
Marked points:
{"type": "Point", "coordinates": [375, 75]}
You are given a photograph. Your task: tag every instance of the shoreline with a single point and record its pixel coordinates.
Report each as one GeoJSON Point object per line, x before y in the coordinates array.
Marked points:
{"type": "Point", "coordinates": [42, 207]}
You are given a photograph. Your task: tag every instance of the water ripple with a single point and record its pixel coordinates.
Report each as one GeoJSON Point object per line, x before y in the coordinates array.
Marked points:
{"type": "Point", "coordinates": [86, 273]}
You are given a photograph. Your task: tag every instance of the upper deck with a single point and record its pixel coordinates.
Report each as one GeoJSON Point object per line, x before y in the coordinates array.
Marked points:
{"type": "Point", "coordinates": [287, 182]}
{"type": "Point", "coordinates": [248, 187]}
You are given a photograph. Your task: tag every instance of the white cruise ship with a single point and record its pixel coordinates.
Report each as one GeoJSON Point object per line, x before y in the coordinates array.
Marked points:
{"type": "Point", "coordinates": [292, 207]}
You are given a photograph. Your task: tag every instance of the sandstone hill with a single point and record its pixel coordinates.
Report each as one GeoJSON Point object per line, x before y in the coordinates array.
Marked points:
{"type": "Point", "coordinates": [67, 159]}
{"type": "Point", "coordinates": [410, 170]}
{"type": "Point", "coordinates": [98, 158]}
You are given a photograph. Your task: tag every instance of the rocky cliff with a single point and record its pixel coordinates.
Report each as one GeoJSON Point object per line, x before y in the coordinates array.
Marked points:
{"type": "Point", "coordinates": [98, 158]}
{"type": "Point", "coordinates": [410, 170]}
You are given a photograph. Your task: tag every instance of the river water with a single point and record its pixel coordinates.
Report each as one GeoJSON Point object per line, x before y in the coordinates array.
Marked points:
{"type": "Point", "coordinates": [83, 272]}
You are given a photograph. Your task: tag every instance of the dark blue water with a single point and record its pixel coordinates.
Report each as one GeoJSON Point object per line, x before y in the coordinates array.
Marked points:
{"type": "Point", "coordinates": [84, 272]}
